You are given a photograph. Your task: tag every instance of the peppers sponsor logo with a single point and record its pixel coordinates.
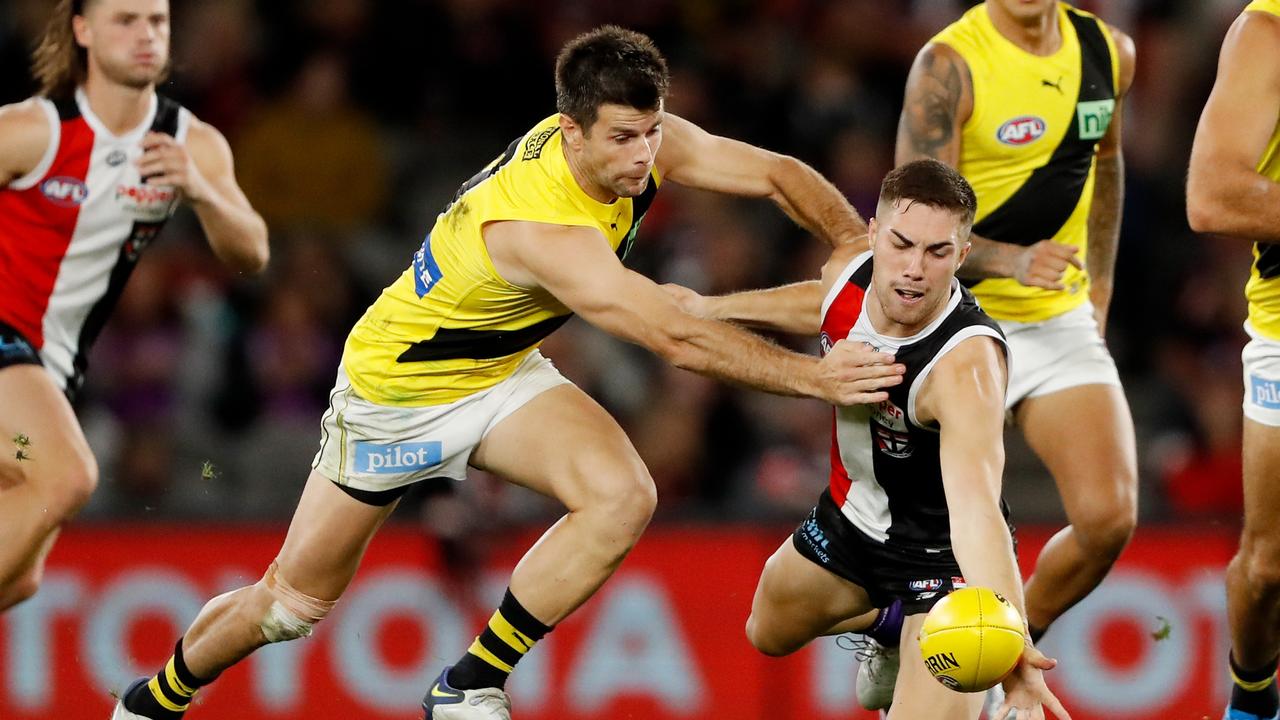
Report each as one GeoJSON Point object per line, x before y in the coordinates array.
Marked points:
{"type": "Point", "coordinates": [147, 203]}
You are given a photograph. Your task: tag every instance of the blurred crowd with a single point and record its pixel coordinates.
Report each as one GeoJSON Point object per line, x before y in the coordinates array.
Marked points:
{"type": "Point", "coordinates": [354, 121]}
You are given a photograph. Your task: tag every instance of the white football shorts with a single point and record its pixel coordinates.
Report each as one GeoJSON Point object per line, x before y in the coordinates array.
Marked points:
{"type": "Point", "coordinates": [372, 447]}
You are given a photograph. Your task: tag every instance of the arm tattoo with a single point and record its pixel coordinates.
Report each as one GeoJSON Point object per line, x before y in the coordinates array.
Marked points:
{"type": "Point", "coordinates": [931, 109]}
{"type": "Point", "coordinates": [1104, 224]}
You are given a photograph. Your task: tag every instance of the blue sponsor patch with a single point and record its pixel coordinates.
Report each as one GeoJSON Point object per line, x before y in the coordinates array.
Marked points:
{"type": "Point", "coordinates": [1265, 393]}
{"type": "Point", "coordinates": [396, 458]}
{"type": "Point", "coordinates": [426, 273]}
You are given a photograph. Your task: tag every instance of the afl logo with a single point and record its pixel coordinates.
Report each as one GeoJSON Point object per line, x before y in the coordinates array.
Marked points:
{"type": "Point", "coordinates": [65, 191]}
{"type": "Point", "coordinates": [825, 340]}
{"type": "Point", "coordinates": [1021, 130]}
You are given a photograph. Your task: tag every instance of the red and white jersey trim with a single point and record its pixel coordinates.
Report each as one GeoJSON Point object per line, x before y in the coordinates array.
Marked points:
{"type": "Point", "coordinates": [29, 180]}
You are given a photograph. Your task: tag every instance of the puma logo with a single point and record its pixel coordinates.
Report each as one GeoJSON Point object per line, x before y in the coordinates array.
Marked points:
{"type": "Point", "coordinates": [1055, 85]}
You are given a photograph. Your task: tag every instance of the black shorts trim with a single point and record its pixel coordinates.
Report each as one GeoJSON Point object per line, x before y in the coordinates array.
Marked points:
{"type": "Point", "coordinates": [376, 498]}
{"type": "Point", "coordinates": [919, 577]}
{"type": "Point", "coordinates": [15, 348]}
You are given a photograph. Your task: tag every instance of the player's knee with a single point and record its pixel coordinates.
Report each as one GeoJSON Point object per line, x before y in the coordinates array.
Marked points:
{"type": "Point", "coordinates": [284, 613]}
{"type": "Point", "coordinates": [1106, 530]}
{"type": "Point", "coordinates": [762, 639]}
{"type": "Point", "coordinates": [71, 487]}
{"type": "Point", "coordinates": [21, 589]}
{"type": "Point", "coordinates": [1260, 558]}
{"type": "Point", "coordinates": [625, 494]}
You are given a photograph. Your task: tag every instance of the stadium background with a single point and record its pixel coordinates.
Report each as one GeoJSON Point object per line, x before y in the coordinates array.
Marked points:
{"type": "Point", "coordinates": [353, 122]}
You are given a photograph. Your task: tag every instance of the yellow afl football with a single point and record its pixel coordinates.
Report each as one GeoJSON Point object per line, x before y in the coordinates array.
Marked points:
{"type": "Point", "coordinates": [972, 639]}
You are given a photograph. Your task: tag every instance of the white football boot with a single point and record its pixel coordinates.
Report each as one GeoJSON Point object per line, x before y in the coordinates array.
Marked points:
{"type": "Point", "coordinates": [444, 702]}
{"type": "Point", "coordinates": [877, 673]}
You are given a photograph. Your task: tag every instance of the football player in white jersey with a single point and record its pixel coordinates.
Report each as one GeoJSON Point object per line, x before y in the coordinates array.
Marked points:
{"type": "Point", "coordinates": [85, 182]}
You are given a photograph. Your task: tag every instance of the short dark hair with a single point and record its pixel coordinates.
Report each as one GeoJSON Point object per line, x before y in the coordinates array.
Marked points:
{"type": "Point", "coordinates": [931, 183]}
{"type": "Point", "coordinates": [609, 65]}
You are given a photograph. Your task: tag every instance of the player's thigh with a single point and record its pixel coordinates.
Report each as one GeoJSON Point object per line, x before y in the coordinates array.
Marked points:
{"type": "Point", "coordinates": [1084, 435]}
{"type": "Point", "coordinates": [917, 694]}
{"type": "Point", "coordinates": [1261, 450]}
{"type": "Point", "coordinates": [1261, 459]}
{"type": "Point", "coordinates": [327, 538]}
{"type": "Point", "coordinates": [40, 436]}
{"type": "Point", "coordinates": [798, 600]}
{"type": "Point", "coordinates": [562, 444]}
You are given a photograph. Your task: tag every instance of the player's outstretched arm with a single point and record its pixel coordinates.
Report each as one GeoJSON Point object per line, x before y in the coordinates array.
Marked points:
{"type": "Point", "coordinates": [203, 172]}
{"type": "Point", "coordinates": [694, 157]}
{"type": "Point", "coordinates": [577, 266]}
{"type": "Point", "coordinates": [1108, 191]}
{"type": "Point", "coordinates": [965, 394]}
{"type": "Point", "coordinates": [794, 308]}
{"type": "Point", "coordinates": [937, 102]}
{"type": "Point", "coordinates": [1225, 192]}
{"type": "Point", "coordinates": [24, 137]}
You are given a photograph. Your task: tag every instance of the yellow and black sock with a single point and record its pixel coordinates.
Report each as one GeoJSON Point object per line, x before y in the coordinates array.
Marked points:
{"type": "Point", "coordinates": [511, 633]}
{"type": "Point", "coordinates": [168, 694]}
{"type": "Point", "coordinates": [1254, 691]}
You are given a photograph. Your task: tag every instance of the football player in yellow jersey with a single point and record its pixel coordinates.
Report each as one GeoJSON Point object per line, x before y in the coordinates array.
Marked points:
{"type": "Point", "coordinates": [1233, 188]}
{"type": "Point", "coordinates": [536, 235]}
{"type": "Point", "coordinates": [1023, 97]}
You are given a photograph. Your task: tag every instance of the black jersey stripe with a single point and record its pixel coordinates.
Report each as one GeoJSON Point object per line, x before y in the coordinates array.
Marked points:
{"type": "Point", "coordinates": [489, 171]}
{"type": "Point", "coordinates": [1268, 262]}
{"type": "Point", "coordinates": [639, 206]}
{"type": "Point", "coordinates": [1041, 206]}
{"type": "Point", "coordinates": [140, 236]}
{"type": "Point", "coordinates": [67, 107]}
{"type": "Point", "coordinates": [465, 344]}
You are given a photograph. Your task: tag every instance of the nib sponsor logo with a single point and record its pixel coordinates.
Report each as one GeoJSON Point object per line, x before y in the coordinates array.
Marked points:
{"type": "Point", "coordinates": [397, 458]}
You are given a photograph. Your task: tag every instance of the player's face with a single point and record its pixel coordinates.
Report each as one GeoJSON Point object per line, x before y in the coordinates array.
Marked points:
{"type": "Point", "coordinates": [619, 151]}
{"type": "Point", "coordinates": [917, 250]}
{"type": "Point", "coordinates": [127, 40]}
{"type": "Point", "coordinates": [1024, 11]}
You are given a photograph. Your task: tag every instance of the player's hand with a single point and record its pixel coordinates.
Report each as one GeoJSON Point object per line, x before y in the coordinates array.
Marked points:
{"type": "Point", "coordinates": [1044, 264]}
{"type": "Point", "coordinates": [854, 373]}
{"type": "Point", "coordinates": [688, 300]}
{"type": "Point", "coordinates": [1025, 691]}
{"type": "Point", "coordinates": [166, 162]}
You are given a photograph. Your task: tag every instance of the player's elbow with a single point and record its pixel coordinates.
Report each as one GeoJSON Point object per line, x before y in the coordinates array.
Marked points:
{"type": "Point", "coordinates": [781, 168]}
{"type": "Point", "coordinates": [252, 259]}
{"type": "Point", "coordinates": [1202, 214]}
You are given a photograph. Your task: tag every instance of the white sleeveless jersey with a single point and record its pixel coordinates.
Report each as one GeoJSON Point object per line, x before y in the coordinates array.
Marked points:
{"type": "Point", "coordinates": [72, 229]}
{"type": "Point", "coordinates": [886, 469]}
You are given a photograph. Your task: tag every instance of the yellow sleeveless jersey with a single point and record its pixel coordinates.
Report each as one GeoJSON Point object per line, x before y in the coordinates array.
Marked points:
{"type": "Point", "coordinates": [1028, 149]}
{"type": "Point", "coordinates": [1263, 289]}
{"type": "Point", "coordinates": [450, 325]}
